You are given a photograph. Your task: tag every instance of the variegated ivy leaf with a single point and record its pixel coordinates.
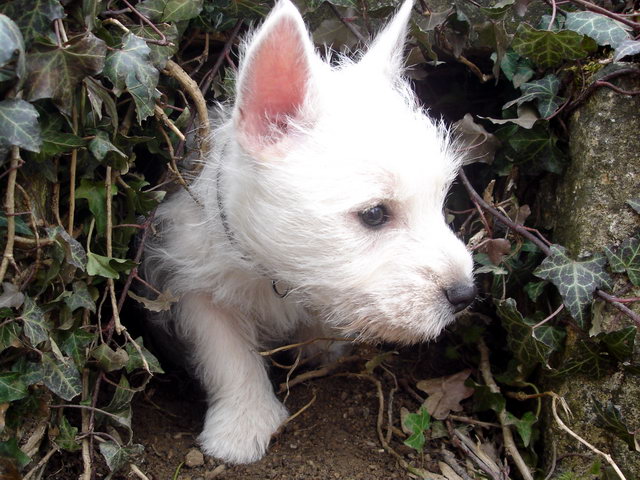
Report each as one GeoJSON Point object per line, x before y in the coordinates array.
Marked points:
{"type": "Point", "coordinates": [587, 358]}
{"type": "Point", "coordinates": [80, 298]}
{"type": "Point", "coordinates": [11, 387]}
{"type": "Point", "coordinates": [36, 327]}
{"type": "Point", "coordinates": [530, 345]}
{"type": "Point", "coordinates": [135, 360]}
{"type": "Point", "coordinates": [604, 30]}
{"type": "Point", "coordinates": [538, 144]}
{"type": "Point", "coordinates": [34, 17]}
{"type": "Point", "coordinates": [61, 377]}
{"type": "Point", "coordinates": [130, 69]}
{"type": "Point", "coordinates": [620, 343]}
{"type": "Point", "coordinates": [576, 281]}
{"type": "Point", "coordinates": [120, 404]}
{"type": "Point", "coordinates": [626, 258]}
{"type": "Point", "coordinates": [73, 250]}
{"type": "Point", "coordinates": [19, 125]}
{"type": "Point", "coordinates": [75, 343]}
{"type": "Point", "coordinates": [12, 47]}
{"type": "Point", "coordinates": [170, 10]}
{"type": "Point", "coordinates": [548, 49]}
{"type": "Point", "coordinates": [626, 48]}
{"type": "Point", "coordinates": [55, 72]}
{"type": "Point", "coordinates": [544, 92]}
{"type": "Point", "coordinates": [116, 455]}
{"type": "Point", "coordinates": [9, 334]}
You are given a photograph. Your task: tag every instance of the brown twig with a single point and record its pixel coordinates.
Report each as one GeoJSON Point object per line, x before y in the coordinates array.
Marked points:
{"type": "Point", "coordinates": [10, 208]}
{"type": "Point", "coordinates": [507, 435]}
{"type": "Point", "coordinates": [351, 28]}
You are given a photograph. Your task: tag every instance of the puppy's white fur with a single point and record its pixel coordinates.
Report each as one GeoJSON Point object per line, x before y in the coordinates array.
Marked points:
{"type": "Point", "coordinates": [305, 149]}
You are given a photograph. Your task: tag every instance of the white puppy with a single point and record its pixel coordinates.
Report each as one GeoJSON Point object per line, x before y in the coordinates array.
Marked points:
{"type": "Point", "coordinates": [327, 184]}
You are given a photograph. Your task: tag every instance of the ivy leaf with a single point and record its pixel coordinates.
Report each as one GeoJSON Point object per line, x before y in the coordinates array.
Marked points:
{"type": "Point", "coordinates": [634, 203]}
{"type": "Point", "coordinates": [484, 399]}
{"type": "Point", "coordinates": [95, 194]}
{"type": "Point", "coordinates": [10, 449]}
{"type": "Point", "coordinates": [549, 49]}
{"type": "Point", "coordinates": [516, 68]}
{"type": "Point", "coordinates": [535, 289]}
{"type": "Point", "coordinates": [620, 343]}
{"type": "Point", "coordinates": [604, 30]}
{"type": "Point", "coordinates": [588, 359]}
{"type": "Point", "coordinates": [11, 387]}
{"type": "Point", "coordinates": [35, 325]}
{"type": "Point", "coordinates": [66, 438]}
{"type": "Point", "coordinates": [610, 418]}
{"type": "Point", "coordinates": [543, 92]}
{"type": "Point", "coordinates": [130, 68]}
{"type": "Point", "coordinates": [530, 345]}
{"type": "Point", "coordinates": [159, 54]}
{"type": "Point", "coordinates": [116, 455]}
{"type": "Point", "coordinates": [538, 144]}
{"type": "Point", "coordinates": [626, 48]}
{"type": "Point", "coordinates": [9, 334]}
{"type": "Point", "coordinates": [626, 259]}
{"type": "Point", "coordinates": [19, 125]}
{"type": "Point", "coordinates": [34, 17]}
{"type": "Point", "coordinates": [100, 146]}
{"type": "Point", "coordinates": [523, 425]}
{"type": "Point", "coordinates": [108, 358]}
{"type": "Point", "coordinates": [80, 298]}
{"type": "Point", "coordinates": [417, 423]}
{"type": "Point", "coordinates": [12, 47]}
{"type": "Point", "coordinates": [55, 72]}
{"type": "Point", "coordinates": [120, 404]}
{"type": "Point", "coordinates": [135, 360]}
{"type": "Point", "coordinates": [75, 344]}
{"type": "Point", "coordinates": [108, 267]}
{"type": "Point", "coordinates": [576, 281]}
{"type": "Point", "coordinates": [74, 253]}
{"type": "Point", "coordinates": [170, 10]}
{"type": "Point", "coordinates": [99, 96]}
{"type": "Point", "coordinates": [62, 378]}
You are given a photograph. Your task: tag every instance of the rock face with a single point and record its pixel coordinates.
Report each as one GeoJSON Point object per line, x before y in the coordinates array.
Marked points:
{"type": "Point", "coordinates": [591, 213]}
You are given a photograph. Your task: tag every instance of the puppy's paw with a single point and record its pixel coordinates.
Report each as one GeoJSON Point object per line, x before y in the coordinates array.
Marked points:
{"type": "Point", "coordinates": [240, 433]}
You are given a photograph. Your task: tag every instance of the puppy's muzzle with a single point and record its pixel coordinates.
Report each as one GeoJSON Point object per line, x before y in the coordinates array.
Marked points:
{"type": "Point", "coordinates": [461, 295]}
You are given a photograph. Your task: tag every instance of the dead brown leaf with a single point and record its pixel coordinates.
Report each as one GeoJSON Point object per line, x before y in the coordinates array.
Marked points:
{"type": "Point", "coordinates": [445, 393]}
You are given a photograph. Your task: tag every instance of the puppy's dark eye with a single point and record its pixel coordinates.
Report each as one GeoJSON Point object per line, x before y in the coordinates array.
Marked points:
{"type": "Point", "coordinates": [374, 216]}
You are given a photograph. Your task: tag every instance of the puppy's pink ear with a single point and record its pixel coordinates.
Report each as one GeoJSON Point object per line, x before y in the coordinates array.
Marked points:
{"type": "Point", "coordinates": [386, 51]}
{"type": "Point", "coordinates": [274, 79]}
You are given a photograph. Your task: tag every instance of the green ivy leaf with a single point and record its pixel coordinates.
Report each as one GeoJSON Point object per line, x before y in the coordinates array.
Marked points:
{"type": "Point", "coordinates": [484, 399]}
{"type": "Point", "coordinates": [61, 377]}
{"type": "Point", "coordinates": [74, 253]}
{"type": "Point", "coordinates": [516, 68]}
{"type": "Point", "coordinates": [523, 425]}
{"type": "Point", "coordinates": [12, 47]}
{"type": "Point", "coordinates": [417, 423]}
{"type": "Point", "coordinates": [610, 418]}
{"type": "Point", "coordinates": [135, 360]}
{"type": "Point", "coordinates": [19, 125]}
{"type": "Point", "coordinates": [34, 17]}
{"type": "Point", "coordinates": [55, 72]}
{"type": "Point", "coordinates": [95, 194]}
{"type": "Point", "coordinates": [9, 334]}
{"type": "Point", "coordinates": [576, 281]}
{"type": "Point", "coordinates": [539, 145]}
{"type": "Point", "coordinates": [529, 345]}
{"type": "Point", "coordinates": [130, 68]}
{"type": "Point", "coordinates": [620, 343]}
{"type": "Point", "coordinates": [588, 358]}
{"type": "Point", "coordinates": [66, 438]}
{"type": "Point", "coordinates": [604, 30]}
{"type": "Point", "coordinates": [108, 267]}
{"type": "Point", "coordinates": [159, 54]}
{"type": "Point", "coordinates": [549, 49]}
{"type": "Point", "coordinates": [626, 259]}
{"type": "Point", "coordinates": [99, 96]}
{"type": "Point", "coordinates": [11, 387]}
{"type": "Point", "coordinates": [544, 92]}
{"type": "Point", "coordinates": [535, 289]}
{"type": "Point", "coordinates": [100, 146]}
{"type": "Point", "coordinates": [10, 449]}
{"type": "Point", "coordinates": [178, 10]}
{"type": "Point", "coordinates": [80, 298]}
{"type": "Point", "coordinates": [36, 327]}
{"type": "Point", "coordinates": [120, 404]}
{"type": "Point", "coordinates": [75, 344]}
{"type": "Point", "coordinates": [117, 456]}
{"type": "Point", "coordinates": [108, 358]}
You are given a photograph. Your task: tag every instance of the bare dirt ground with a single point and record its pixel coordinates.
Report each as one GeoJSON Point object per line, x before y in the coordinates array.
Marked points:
{"type": "Point", "coordinates": [334, 438]}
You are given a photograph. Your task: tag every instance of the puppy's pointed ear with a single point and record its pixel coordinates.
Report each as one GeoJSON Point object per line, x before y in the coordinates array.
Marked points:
{"type": "Point", "coordinates": [274, 79]}
{"type": "Point", "coordinates": [386, 51]}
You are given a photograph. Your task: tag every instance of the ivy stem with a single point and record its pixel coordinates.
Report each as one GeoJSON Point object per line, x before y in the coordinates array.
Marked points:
{"type": "Point", "coordinates": [558, 310]}
{"type": "Point", "coordinates": [503, 218]}
{"type": "Point", "coordinates": [10, 208]}
{"type": "Point", "coordinates": [616, 303]}
{"type": "Point", "coordinates": [73, 166]}
{"type": "Point", "coordinates": [507, 435]}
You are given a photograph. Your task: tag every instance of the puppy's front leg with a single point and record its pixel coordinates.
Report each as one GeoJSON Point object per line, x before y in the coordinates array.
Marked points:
{"type": "Point", "coordinates": [243, 410]}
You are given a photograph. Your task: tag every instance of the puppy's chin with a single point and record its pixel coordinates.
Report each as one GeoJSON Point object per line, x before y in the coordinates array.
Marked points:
{"type": "Point", "coordinates": [372, 330]}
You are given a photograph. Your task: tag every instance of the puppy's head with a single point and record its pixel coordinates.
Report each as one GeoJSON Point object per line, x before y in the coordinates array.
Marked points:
{"type": "Point", "coordinates": [338, 181]}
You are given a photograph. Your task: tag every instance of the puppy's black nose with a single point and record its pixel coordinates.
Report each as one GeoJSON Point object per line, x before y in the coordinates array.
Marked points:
{"type": "Point", "coordinates": [461, 295]}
